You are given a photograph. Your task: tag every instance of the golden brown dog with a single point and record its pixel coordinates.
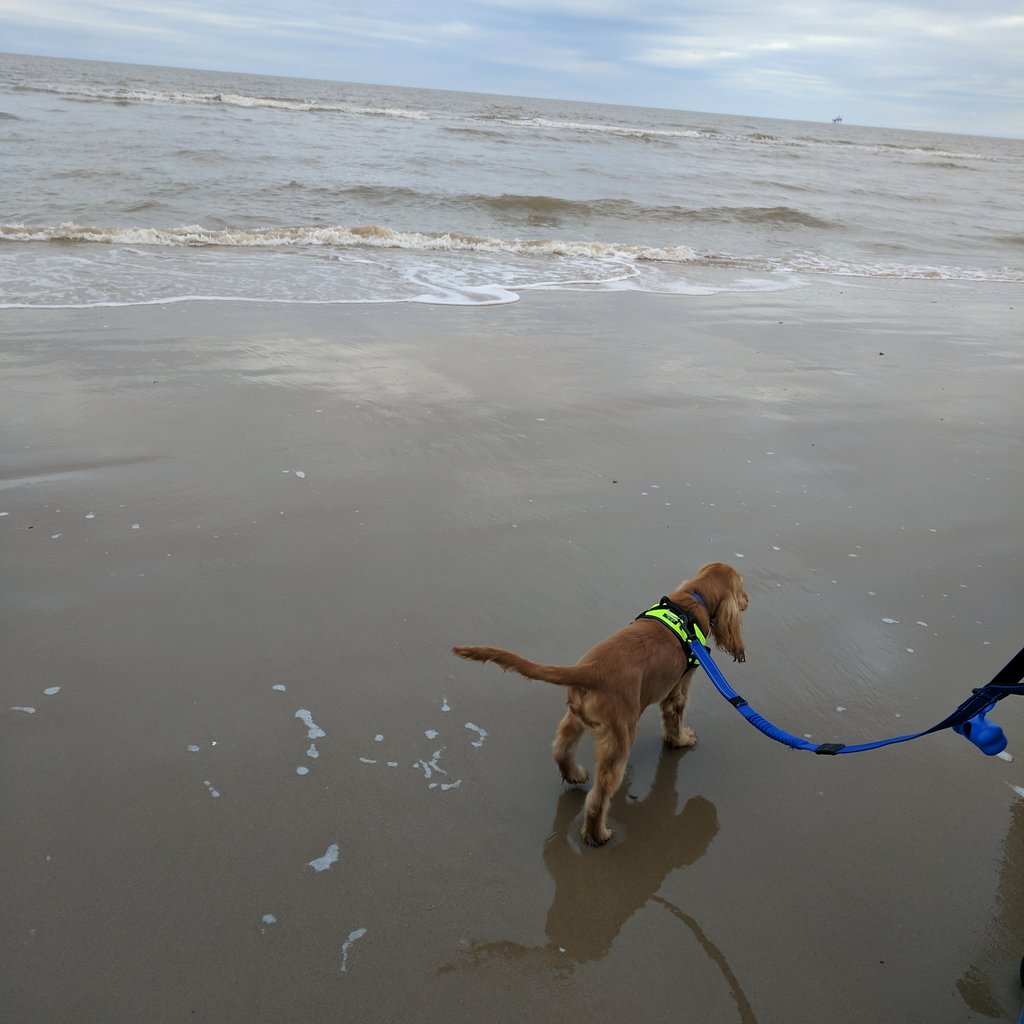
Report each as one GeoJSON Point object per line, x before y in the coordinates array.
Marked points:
{"type": "Point", "coordinates": [612, 683]}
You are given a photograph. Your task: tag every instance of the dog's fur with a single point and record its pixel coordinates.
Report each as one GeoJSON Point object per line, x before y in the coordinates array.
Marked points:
{"type": "Point", "coordinates": [612, 683]}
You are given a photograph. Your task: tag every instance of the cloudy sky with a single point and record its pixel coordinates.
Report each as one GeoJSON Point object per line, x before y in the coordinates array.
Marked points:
{"type": "Point", "coordinates": [933, 64]}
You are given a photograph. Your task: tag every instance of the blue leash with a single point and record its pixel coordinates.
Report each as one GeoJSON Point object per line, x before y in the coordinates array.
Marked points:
{"type": "Point", "coordinates": [968, 719]}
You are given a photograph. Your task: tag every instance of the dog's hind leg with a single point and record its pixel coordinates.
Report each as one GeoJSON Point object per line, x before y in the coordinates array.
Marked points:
{"type": "Point", "coordinates": [564, 749]}
{"type": "Point", "coordinates": [612, 750]}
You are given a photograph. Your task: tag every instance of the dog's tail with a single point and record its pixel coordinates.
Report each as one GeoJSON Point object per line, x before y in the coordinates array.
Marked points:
{"type": "Point", "coordinates": [560, 675]}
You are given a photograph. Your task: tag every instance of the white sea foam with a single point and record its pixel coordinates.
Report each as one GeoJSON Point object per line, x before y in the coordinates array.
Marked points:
{"type": "Point", "coordinates": [307, 267]}
{"type": "Point", "coordinates": [599, 128]}
{"type": "Point", "coordinates": [116, 94]}
{"type": "Point", "coordinates": [817, 263]}
{"type": "Point", "coordinates": [368, 236]}
{"type": "Point", "coordinates": [146, 265]}
{"type": "Point", "coordinates": [353, 936]}
{"type": "Point", "coordinates": [330, 857]}
{"type": "Point", "coordinates": [430, 766]}
{"type": "Point", "coordinates": [482, 734]}
{"type": "Point", "coordinates": [313, 731]}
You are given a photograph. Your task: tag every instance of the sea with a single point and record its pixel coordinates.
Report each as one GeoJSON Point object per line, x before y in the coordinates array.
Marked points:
{"type": "Point", "coordinates": [130, 185]}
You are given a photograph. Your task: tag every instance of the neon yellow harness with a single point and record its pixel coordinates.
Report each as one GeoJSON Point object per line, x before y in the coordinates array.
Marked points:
{"type": "Point", "coordinates": [680, 622]}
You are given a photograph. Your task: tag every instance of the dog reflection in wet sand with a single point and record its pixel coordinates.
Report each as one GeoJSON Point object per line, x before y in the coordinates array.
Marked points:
{"type": "Point", "coordinates": [659, 840]}
{"type": "Point", "coordinates": [628, 876]}
{"type": "Point", "coordinates": [579, 928]}
{"type": "Point", "coordinates": [612, 684]}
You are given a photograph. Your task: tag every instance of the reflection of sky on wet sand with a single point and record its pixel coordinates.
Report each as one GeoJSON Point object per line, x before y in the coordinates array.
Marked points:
{"type": "Point", "coordinates": [598, 891]}
{"type": "Point", "coordinates": [991, 985]}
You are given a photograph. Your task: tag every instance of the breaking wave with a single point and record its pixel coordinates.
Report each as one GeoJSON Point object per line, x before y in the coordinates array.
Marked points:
{"type": "Point", "coordinates": [77, 266]}
{"type": "Point", "coordinates": [369, 235]}
{"type": "Point", "coordinates": [227, 99]}
{"type": "Point", "coordinates": [625, 209]}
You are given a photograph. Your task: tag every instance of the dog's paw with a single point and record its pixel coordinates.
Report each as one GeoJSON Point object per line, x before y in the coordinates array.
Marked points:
{"type": "Point", "coordinates": [577, 777]}
{"type": "Point", "coordinates": [684, 739]}
{"type": "Point", "coordinates": [597, 838]}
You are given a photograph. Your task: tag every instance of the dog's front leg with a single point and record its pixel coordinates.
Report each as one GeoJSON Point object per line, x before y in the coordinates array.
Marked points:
{"type": "Point", "coordinates": [673, 707]}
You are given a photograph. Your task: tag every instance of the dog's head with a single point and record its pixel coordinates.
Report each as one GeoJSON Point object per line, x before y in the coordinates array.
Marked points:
{"type": "Point", "coordinates": [721, 588]}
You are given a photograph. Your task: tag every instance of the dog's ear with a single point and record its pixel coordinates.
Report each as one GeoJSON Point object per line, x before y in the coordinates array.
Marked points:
{"type": "Point", "coordinates": [721, 586]}
{"type": "Point", "coordinates": [725, 627]}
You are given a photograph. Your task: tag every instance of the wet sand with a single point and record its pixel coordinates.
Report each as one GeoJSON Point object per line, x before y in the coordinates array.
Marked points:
{"type": "Point", "coordinates": [231, 528]}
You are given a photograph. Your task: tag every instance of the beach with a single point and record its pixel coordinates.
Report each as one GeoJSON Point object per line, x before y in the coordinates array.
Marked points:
{"type": "Point", "coordinates": [240, 539]}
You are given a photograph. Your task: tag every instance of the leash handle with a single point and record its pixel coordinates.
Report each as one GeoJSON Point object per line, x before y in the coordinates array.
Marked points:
{"type": "Point", "coordinates": [988, 737]}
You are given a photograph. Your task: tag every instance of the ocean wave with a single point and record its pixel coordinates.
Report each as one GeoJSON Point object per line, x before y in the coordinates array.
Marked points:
{"type": "Point", "coordinates": [901, 149]}
{"type": "Point", "coordinates": [482, 133]}
{"type": "Point", "coordinates": [948, 165]}
{"type": "Point", "coordinates": [126, 95]}
{"type": "Point", "coordinates": [371, 235]}
{"type": "Point", "coordinates": [762, 215]}
{"type": "Point", "coordinates": [931, 151]}
{"type": "Point", "coordinates": [369, 196]}
{"type": "Point", "coordinates": [547, 209]}
{"type": "Point", "coordinates": [235, 100]}
{"type": "Point", "coordinates": [538, 210]}
{"type": "Point", "coordinates": [628, 210]}
{"type": "Point", "coordinates": [59, 277]}
{"type": "Point", "coordinates": [111, 276]}
{"type": "Point", "coordinates": [815, 263]}
{"type": "Point", "coordinates": [558, 256]}
{"type": "Point", "coordinates": [598, 128]}
{"type": "Point", "coordinates": [143, 205]}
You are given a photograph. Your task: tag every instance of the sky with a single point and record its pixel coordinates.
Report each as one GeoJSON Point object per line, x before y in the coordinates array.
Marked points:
{"type": "Point", "coordinates": [941, 65]}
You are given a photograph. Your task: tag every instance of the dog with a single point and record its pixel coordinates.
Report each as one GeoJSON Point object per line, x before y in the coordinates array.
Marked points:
{"type": "Point", "coordinates": [612, 684]}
